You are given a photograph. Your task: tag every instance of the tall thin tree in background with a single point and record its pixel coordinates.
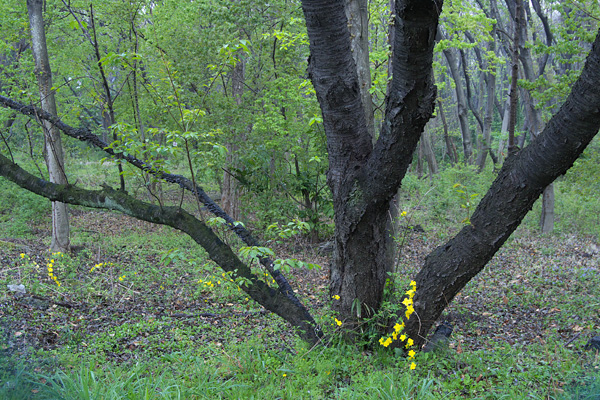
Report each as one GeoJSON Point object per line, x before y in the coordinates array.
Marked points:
{"type": "Point", "coordinates": [54, 150]}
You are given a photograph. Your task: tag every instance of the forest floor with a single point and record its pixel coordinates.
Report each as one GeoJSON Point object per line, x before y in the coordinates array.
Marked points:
{"type": "Point", "coordinates": [126, 295]}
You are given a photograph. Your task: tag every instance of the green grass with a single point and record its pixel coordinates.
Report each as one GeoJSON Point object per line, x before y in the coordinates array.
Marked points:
{"type": "Point", "coordinates": [149, 329]}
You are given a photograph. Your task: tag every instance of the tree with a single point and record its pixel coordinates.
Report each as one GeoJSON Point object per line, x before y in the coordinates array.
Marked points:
{"type": "Point", "coordinates": [364, 176]}
{"type": "Point", "coordinates": [54, 150]}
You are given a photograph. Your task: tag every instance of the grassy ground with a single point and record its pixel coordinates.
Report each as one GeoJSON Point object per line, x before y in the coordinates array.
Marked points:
{"type": "Point", "coordinates": [141, 313]}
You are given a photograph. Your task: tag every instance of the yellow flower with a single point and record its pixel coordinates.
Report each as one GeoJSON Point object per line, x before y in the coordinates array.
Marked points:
{"type": "Point", "coordinates": [338, 322]}
{"type": "Point", "coordinates": [335, 297]}
{"type": "Point", "coordinates": [387, 342]}
{"type": "Point", "coordinates": [398, 327]}
{"type": "Point", "coordinates": [407, 302]}
{"type": "Point", "coordinates": [413, 365]}
{"type": "Point", "coordinates": [403, 213]}
{"type": "Point", "coordinates": [409, 343]}
{"type": "Point", "coordinates": [411, 354]}
{"type": "Point", "coordinates": [284, 375]}
{"type": "Point", "coordinates": [410, 293]}
{"type": "Point", "coordinates": [403, 338]}
{"type": "Point", "coordinates": [395, 335]}
{"type": "Point", "coordinates": [409, 311]}
{"type": "Point", "coordinates": [50, 269]}
{"type": "Point", "coordinates": [22, 255]}
{"type": "Point", "coordinates": [413, 283]}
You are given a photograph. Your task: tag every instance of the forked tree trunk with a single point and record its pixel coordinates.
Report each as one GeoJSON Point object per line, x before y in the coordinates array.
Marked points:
{"type": "Point", "coordinates": [54, 150]}
{"type": "Point", "coordinates": [364, 177]}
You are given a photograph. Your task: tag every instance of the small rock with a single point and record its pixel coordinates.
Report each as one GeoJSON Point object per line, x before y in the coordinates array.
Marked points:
{"type": "Point", "coordinates": [17, 288]}
{"type": "Point", "coordinates": [326, 247]}
{"type": "Point", "coordinates": [440, 338]}
{"type": "Point", "coordinates": [593, 344]}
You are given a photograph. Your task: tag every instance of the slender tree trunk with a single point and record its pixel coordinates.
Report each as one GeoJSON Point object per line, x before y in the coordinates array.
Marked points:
{"type": "Point", "coordinates": [534, 114]}
{"type": "Point", "coordinates": [504, 129]}
{"type": "Point", "coordinates": [357, 12]}
{"type": "Point", "coordinates": [428, 153]}
{"type": "Point", "coordinates": [490, 82]}
{"type": "Point", "coordinates": [54, 150]}
{"type": "Point", "coordinates": [230, 191]}
{"type": "Point", "coordinates": [512, 146]}
{"type": "Point", "coordinates": [108, 111]}
{"type": "Point", "coordinates": [461, 104]}
{"type": "Point", "coordinates": [450, 147]}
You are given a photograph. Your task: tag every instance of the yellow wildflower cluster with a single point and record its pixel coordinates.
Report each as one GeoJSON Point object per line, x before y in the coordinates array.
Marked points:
{"type": "Point", "coordinates": [408, 303]}
{"type": "Point", "coordinates": [50, 266]}
{"type": "Point", "coordinates": [100, 265]}
{"type": "Point", "coordinates": [207, 284]}
{"type": "Point", "coordinates": [210, 284]}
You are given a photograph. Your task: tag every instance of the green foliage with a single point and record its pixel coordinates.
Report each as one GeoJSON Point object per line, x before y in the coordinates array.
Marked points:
{"type": "Point", "coordinates": [466, 199]}
{"type": "Point", "coordinates": [20, 210]}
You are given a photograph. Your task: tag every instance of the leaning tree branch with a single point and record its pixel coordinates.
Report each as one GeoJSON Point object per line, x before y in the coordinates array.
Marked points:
{"type": "Point", "coordinates": [520, 182]}
{"type": "Point", "coordinates": [86, 135]}
{"type": "Point", "coordinates": [273, 300]}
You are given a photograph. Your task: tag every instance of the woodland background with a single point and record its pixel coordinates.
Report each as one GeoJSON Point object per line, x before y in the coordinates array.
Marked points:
{"type": "Point", "coordinates": [219, 91]}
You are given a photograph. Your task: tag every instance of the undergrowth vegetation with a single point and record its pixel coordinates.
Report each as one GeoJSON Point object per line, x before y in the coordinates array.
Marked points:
{"type": "Point", "coordinates": [138, 311]}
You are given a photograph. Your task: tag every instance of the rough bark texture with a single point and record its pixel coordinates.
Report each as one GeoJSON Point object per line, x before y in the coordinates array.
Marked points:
{"type": "Point", "coordinates": [364, 177]}
{"type": "Point", "coordinates": [519, 184]}
{"type": "Point", "coordinates": [273, 300]}
{"type": "Point", "coordinates": [54, 150]}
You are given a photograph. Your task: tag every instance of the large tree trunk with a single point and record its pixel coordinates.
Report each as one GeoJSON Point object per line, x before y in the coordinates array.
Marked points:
{"type": "Point", "coordinates": [364, 177]}
{"type": "Point", "coordinates": [54, 150]}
